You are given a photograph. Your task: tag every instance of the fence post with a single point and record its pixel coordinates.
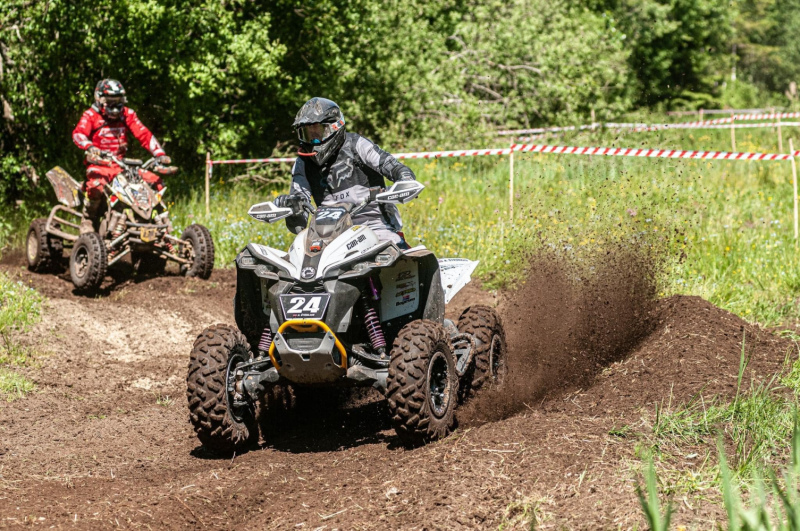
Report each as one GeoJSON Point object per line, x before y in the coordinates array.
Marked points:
{"type": "Point", "coordinates": [208, 179]}
{"type": "Point", "coordinates": [701, 115]}
{"type": "Point", "coordinates": [511, 183]}
{"type": "Point", "coordinates": [780, 135]}
{"type": "Point", "coordinates": [594, 125]}
{"type": "Point", "coordinates": [794, 186]}
{"type": "Point", "coordinates": [733, 132]}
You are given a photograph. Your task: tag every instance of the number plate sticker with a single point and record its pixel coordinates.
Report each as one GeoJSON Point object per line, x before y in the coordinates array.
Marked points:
{"type": "Point", "coordinates": [148, 234]}
{"type": "Point", "coordinates": [297, 306]}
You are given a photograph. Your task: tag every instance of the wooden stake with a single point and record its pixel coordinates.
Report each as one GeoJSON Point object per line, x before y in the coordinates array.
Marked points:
{"type": "Point", "coordinates": [208, 185]}
{"type": "Point", "coordinates": [511, 186]}
{"type": "Point", "coordinates": [794, 185]}
{"type": "Point", "coordinates": [733, 132]}
{"type": "Point", "coordinates": [701, 115]}
{"type": "Point", "coordinates": [594, 125]}
{"type": "Point", "coordinates": [780, 136]}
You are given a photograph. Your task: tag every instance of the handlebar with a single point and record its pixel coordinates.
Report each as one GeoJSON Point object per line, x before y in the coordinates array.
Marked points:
{"type": "Point", "coordinates": [104, 157]}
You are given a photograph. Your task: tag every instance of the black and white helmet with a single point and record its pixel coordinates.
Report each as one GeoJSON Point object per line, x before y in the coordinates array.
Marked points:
{"type": "Point", "coordinates": [320, 127]}
{"type": "Point", "coordinates": [109, 98]}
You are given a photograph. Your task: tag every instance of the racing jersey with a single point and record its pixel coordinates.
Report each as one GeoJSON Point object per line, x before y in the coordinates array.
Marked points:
{"type": "Point", "coordinates": [94, 129]}
{"type": "Point", "coordinates": [347, 178]}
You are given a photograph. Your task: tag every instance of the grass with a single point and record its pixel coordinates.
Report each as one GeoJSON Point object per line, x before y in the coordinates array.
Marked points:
{"type": "Point", "coordinates": [20, 308]}
{"type": "Point", "coordinates": [724, 228]}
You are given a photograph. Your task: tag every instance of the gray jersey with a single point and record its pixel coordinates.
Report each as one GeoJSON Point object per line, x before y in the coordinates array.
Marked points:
{"type": "Point", "coordinates": [347, 178]}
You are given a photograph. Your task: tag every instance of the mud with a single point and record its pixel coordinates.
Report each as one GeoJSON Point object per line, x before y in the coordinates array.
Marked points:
{"type": "Point", "coordinates": [568, 321]}
{"type": "Point", "coordinates": [105, 441]}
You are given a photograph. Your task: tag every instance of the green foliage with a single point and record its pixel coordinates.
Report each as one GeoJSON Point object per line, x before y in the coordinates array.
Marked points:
{"type": "Point", "coordinates": [202, 74]}
{"type": "Point", "coordinates": [227, 77]}
{"type": "Point", "coordinates": [766, 44]}
{"type": "Point", "coordinates": [678, 47]}
{"type": "Point", "coordinates": [13, 385]}
{"type": "Point", "coordinates": [651, 506]}
{"type": "Point", "coordinates": [20, 308]}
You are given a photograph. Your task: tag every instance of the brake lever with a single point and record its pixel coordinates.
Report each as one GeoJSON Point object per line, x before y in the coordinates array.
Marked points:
{"type": "Point", "coordinates": [373, 193]}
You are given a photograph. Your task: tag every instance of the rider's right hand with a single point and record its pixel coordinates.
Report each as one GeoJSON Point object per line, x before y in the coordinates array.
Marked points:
{"type": "Point", "coordinates": [94, 151]}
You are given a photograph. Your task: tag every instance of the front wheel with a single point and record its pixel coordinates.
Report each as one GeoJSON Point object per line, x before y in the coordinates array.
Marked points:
{"type": "Point", "coordinates": [223, 419]}
{"type": "Point", "coordinates": [88, 262]}
{"type": "Point", "coordinates": [199, 251]}
{"type": "Point", "coordinates": [422, 386]}
{"type": "Point", "coordinates": [43, 251]}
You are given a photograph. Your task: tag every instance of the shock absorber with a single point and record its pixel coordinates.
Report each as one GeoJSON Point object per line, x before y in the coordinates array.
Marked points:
{"type": "Point", "coordinates": [266, 340]}
{"type": "Point", "coordinates": [371, 320]}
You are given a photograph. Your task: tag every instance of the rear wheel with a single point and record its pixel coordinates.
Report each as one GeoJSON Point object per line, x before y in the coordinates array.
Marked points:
{"type": "Point", "coordinates": [88, 262]}
{"type": "Point", "coordinates": [43, 251]}
{"type": "Point", "coordinates": [223, 420]}
{"type": "Point", "coordinates": [199, 251]}
{"type": "Point", "coordinates": [489, 360]}
{"type": "Point", "coordinates": [422, 385]}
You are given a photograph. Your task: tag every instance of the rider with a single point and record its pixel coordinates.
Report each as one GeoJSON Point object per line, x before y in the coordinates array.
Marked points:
{"type": "Point", "coordinates": [334, 166]}
{"type": "Point", "coordinates": [104, 128]}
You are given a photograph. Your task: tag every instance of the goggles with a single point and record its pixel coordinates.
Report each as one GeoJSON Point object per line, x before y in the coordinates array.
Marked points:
{"type": "Point", "coordinates": [318, 133]}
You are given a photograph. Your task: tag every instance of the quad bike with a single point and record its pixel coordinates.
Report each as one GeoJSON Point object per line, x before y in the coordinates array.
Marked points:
{"type": "Point", "coordinates": [135, 222]}
{"type": "Point", "coordinates": [343, 308]}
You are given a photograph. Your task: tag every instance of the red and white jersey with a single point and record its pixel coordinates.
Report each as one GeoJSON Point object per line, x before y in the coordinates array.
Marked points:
{"type": "Point", "coordinates": [95, 130]}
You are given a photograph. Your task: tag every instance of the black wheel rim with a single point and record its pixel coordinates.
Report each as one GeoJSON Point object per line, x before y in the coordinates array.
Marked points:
{"type": "Point", "coordinates": [81, 261]}
{"type": "Point", "coordinates": [236, 411]}
{"type": "Point", "coordinates": [33, 246]}
{"type": "Point", "coordinates": [439, 384]}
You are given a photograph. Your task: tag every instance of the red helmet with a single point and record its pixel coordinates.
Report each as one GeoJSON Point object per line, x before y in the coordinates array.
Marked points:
{"type": "Point", "coordinates": [109, 98]}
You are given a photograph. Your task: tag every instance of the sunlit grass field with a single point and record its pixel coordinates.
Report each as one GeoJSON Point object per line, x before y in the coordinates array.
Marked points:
{"type": "Point", "coordinates": [724, 228]}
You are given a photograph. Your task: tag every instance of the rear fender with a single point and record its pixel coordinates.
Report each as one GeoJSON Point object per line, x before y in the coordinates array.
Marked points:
{"type": "Point", "coordinates": [68, 191]}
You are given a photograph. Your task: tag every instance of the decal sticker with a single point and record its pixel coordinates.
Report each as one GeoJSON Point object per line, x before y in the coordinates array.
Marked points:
{"type": "Point", "coordinates": [356, 242]}
{"type": "Point", "coordinates": [297, 306]}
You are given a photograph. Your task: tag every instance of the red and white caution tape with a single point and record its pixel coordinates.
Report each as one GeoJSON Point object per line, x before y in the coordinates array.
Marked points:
{"type": "Point", "coordinates": [459, 153]}
{"type": "Point", "coordinates": [252, 161]}
{"type": "Point", "coordinates": [419, 155]}
{"type": "Point", "coordinates": [677, 126]}
{"type": "Point", "coordinates": [639, 127]}
{"type": "Point", "coordinates": [561, 150]}
{"type": "Point", "coordinates": [649, 153]}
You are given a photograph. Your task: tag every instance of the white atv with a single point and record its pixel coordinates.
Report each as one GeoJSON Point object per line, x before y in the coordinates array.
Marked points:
{"type": "Point", "coordinates": [343, 308]}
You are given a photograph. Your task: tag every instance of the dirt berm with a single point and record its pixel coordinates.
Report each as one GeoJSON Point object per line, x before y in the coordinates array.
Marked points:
{"type": "Point", "coordinates": [105, 441]}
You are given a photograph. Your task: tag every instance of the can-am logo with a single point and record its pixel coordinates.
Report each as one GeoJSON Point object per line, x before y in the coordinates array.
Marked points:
{"type": "Point", "coordinates": [356, 242]}
{"type": "Point", "coordinates": [308, 272]}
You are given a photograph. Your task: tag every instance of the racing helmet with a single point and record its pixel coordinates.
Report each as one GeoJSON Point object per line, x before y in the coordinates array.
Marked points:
{"type": "Point", "coordinates": [109, 98]}
{"type": "Point", "coordinates": [320, 127]}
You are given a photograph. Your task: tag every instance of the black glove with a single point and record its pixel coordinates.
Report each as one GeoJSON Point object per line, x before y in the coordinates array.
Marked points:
{"type": "Point", "coordinates": [164, 160]}
{"type": "Point", "coordinates": [286, 201]}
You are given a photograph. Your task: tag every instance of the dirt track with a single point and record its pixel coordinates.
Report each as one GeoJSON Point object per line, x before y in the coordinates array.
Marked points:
{"type": "Point", "coordinates": [105, 441]}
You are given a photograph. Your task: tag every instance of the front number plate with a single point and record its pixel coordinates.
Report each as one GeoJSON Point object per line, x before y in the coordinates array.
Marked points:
{"type": "Point", "coordinates": [296, 306]}
{"type": "Point", "coordinates": [148, 234]}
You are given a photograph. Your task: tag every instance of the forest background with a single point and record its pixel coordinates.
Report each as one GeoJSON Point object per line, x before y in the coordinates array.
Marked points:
{"type": "Point", "coordinates": [227, 77]}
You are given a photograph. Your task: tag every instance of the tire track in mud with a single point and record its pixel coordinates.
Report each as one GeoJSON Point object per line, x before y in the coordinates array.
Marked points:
{"type": "Point", "coordinates": [94, 448]}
